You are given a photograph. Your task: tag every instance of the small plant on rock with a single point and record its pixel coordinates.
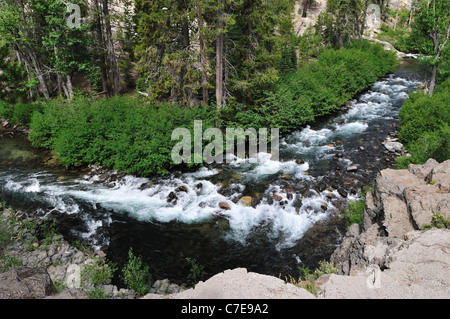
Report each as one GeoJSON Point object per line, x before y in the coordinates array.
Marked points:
{"type": "Point", "coordinates": [196, 272]}
{"type": "Point", "coordinates": [94, 276]}
{"type": "Point", "coordinates": [136, 275]}
{"type": "Point", "coordinates": [438, 220]}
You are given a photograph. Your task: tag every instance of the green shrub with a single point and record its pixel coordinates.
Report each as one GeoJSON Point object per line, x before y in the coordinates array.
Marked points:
{"type": "Point", "coordinates": [438, 220]}
{"type": "Point", "coordinates": [120, 132]}
{"type": "Point", "coordinates": [354, 209]}
{"type": "Point", "coordinates": [353, 212]}
{"type": "Point", "coordinates": [425, 126]}
{"type": "Point", "coordinates": [5, 110]}
{"type": "Point", "coordinates": [317, 89]}
{"type": "Point", "coordinates": [399, 38]}
{"type": "Point", "coordinates": [196, 272]}
{"type": "Point", "coordinates": [136, 275]}
{"type": "Point", "coordinates": [307, 277]}
{"type": "Point", "coordinates": [22, 112]}
{"type": "Point", "coordinates": [94, 276]}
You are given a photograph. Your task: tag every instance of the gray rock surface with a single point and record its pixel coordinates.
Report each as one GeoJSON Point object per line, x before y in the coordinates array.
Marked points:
{"type": "Point", "coordinates": [240, 284]}
{"type": "Point", "coordinates": [418, 268]}
{"type": "Point", "coordinates": [394, 147]}
{"type": "Point", "coordinates": [26, 283]}
{"type": "Point", "coordinates": [69, 293]}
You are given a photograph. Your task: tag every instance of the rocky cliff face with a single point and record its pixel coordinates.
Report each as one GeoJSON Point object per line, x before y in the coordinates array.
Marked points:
{"type": "Point", "coordinates": [401, 201]}
{"type": "Point", "coordinates": [390, 255]}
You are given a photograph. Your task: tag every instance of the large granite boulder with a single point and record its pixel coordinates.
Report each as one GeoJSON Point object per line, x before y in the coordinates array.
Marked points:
{"type": "Point", "coordinates": [26, 283]}
{"type": "Point", "coordinates": [402, 201]}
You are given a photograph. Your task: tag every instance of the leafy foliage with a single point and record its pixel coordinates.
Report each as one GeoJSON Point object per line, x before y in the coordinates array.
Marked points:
{"type": "Point", "coordinates": [438, 220]}
{"type": "Point", "coordinates": [196, 272]}
{"type": "Point", "coordinates": [95, 275]}
{"type": "Point", "coordinates": [13, 77]}
{"type": "Point", "coordinates": [300, 97]}
{"type": "Point", "coordinates": [354, 209]}
{"type": "Point", "coordinates": [425, 126]}
{"type": "Point", "coordinates": [119, 132]}
{"type": "Point", "coordinates": [136, 275]}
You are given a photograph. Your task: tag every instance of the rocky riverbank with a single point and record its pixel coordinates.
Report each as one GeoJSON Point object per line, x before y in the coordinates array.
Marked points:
{"type": "Point", "coordinates": [37, 263]}
{"type": "Point", "coordinates": [389, 256]}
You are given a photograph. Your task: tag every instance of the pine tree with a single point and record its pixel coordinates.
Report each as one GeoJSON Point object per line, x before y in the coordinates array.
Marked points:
{"type": "Point", "coordinates": [431, 33]}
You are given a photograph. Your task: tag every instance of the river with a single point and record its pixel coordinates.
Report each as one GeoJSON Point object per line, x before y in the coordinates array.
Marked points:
{"type": "Point", "coordinates": [293, 219]}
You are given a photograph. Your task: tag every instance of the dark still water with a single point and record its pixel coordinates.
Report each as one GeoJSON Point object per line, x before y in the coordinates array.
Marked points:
{"type": "Point", "coordinates": [293, 219]}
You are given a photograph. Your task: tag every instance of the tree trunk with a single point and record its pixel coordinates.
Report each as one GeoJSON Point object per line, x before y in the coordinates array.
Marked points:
{"type": "Point", "coordinates": [101, 45]}
{"type": "Point", "coordinates": [203, 58]}
{"type": "Point", "coordinates": [408, 22]}
{"type": "Point", "coordinates": [69, 87]}
{"type": "Point", "coordinates": [432, 79]}
{"type": "Point", "coordinates": [40, 76]}
{"type": "Point", "coordinates": [59, 81]}
{"type": "Point", "coordinates": [305, 8]}
{"type": "Point", "coordinates": [186, 91]}
{"type": "Point", "coordinates": [219, 58]}
{"type": "Point", "coordinates": [43, 83]}
{"type": "Point", "coordinates": [435, 36]}
{"type": "Point", "coordinates": [396, 18]}
{"type": "Point", "coordinates": [111, 55]}
{"type": "Point", "coordinates": [364, 17]}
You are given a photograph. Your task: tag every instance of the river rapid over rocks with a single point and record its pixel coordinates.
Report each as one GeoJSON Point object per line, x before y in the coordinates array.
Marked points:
{"type": "Point", "coordinates": [270, 217]}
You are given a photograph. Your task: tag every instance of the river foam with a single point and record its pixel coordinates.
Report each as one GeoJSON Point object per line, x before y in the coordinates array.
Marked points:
{"type": "Point", "coordinates": [194, 197]}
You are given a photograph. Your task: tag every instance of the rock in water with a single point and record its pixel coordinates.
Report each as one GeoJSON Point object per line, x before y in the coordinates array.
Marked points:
{"type": "Point", "coordinates": [224, 205]}
{"type": "Point", "coordinates": [246, 201]}
{"type": "Point", "coordinates": [394, 147]}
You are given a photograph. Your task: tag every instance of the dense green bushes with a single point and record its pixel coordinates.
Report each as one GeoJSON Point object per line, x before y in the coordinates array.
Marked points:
{"type": "Point", "coordinates": [134, 137]}
{"type": "Point", "coordinates": [120, 132]}
{"type": "Point", "coordinates": [19, 113]}
{"type": "Point", "coordinates": [318, 88]}
{"type": "Point", "coordinates": [425, 126]}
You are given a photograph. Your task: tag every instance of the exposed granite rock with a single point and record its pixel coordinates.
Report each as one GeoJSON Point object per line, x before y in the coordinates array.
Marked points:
{"type": "Point", "coordinates": [69, 293]}
{"type": "Point", "coordinates": [413, 195]}
{"type": "Point", "coordinates": [240, 284]}
{"type": "Point", "coordinates": [415, 268]}
{"type": "Point", "coordinates": [389, 255]}
{"type": "Point", "coordinates": [26, 283]}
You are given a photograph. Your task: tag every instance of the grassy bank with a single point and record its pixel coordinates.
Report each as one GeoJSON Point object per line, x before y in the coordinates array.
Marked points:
{"type": "Point", "coordinates": [317, 88]}
{"type": "Point", "coordinates": [425, 126]}
{"type": "Point", "coordinates": [128, 135]}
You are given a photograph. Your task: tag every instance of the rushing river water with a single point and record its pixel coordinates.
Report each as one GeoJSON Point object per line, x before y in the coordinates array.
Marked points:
{"type": "Point", "coordinates": [293, 220]}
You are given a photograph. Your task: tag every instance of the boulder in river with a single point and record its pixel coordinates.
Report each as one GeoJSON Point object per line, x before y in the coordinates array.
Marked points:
{"type": "Point", "coordinates": [394, 147]}
{"type": "Point", "coordinates": [277, 197]}
{"type": "Point", "coordinates": [246, 201]}
{"type": "Point", "coordinates": [342, 192]}
{"type": "Point", "coordinates": [224, 205]}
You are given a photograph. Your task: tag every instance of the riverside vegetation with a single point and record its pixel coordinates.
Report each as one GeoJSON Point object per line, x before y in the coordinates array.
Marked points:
{"type": "Point", "coordinates": [129, 135]}
{"type": "Point", "coordinates": [29, 242]}
{"type": "Point", "coordinates": [253, 67]}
